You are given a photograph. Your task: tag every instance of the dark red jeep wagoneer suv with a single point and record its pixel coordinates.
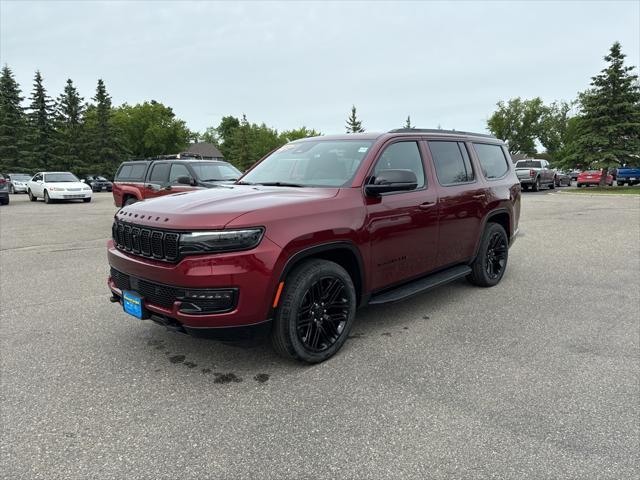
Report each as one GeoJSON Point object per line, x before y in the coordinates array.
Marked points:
{"type": "Point", "coordinates": [315, 230]}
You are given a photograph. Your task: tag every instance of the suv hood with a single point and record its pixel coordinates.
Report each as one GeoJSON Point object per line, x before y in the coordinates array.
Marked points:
{"type": "Point", "coordinates": [214, 208]}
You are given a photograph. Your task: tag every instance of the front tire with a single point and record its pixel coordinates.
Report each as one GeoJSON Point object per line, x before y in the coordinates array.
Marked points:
{"type": "Point", "coordinates": [12, 190]}
{"type": "Point", "coordinates": [47, 199]}
{"type": "Point", "coordinates": [316, 312]}
{"type": "Point", "coordinates": [86, 200]}
{"type": "Point", "coordinates": [32, 197]}
{"type": "Point", "coordinates": [129, 201]}
{"type": "Point", "coordinates": [491, 262]}
{"type": "Point", "coordinates": [553, 184]}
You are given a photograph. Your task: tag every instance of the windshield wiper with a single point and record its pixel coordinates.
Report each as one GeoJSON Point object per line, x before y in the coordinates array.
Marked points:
{"type": "Point", "coordinates": [219, 180]}
{"type": "Point", "coordinates": [280, 184]}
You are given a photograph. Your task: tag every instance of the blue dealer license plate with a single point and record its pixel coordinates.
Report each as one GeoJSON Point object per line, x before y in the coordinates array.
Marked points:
{"type": "Point", "coordinates": [133, 304]}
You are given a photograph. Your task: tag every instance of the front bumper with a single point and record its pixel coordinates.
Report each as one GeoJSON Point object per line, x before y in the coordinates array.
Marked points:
{"type": "Point", "coordinates": [250, 273]}
{"type": "Point", "coordinates": [19, 188]}
{"type": "Point", "coordinates": [67, 195]}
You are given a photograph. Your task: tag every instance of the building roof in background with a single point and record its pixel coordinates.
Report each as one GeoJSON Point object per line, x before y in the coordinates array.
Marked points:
{"type": "Point", "coordinates": [205, 149]}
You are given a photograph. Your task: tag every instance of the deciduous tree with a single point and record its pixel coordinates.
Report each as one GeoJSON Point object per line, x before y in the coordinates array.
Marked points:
{"type": "Point", "coordinates": [518, 123]}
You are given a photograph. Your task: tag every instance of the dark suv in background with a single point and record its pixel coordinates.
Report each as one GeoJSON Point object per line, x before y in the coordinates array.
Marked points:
{"type": "Point", "coordinates": [317, 228]}
{"type": "Point", "coordinates": [142, 179]}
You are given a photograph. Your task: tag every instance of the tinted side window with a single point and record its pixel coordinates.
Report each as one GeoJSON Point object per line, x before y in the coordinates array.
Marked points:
{"type": "Point", "coordinates": [160, 173]}
{"type": "Point", "coordinates": [131, 171]}
{"type": "Point", "coordinates": [451, 161]}
{"type": "Point", "coordinates": [402, 156]}
{"type": "Point", "coordinates": [178, 170]}
{"type": "Point", "coordinates": [492, 160]}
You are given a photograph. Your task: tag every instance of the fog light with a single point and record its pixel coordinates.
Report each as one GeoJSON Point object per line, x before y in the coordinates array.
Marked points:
{"type": "Point", "coordinates": [208, 301]}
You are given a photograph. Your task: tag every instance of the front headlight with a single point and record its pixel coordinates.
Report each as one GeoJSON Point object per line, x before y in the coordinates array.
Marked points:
{"type": "Point", "coordinates": [220, 240]}
{"type": "Point", "coordinates": [86, 188]}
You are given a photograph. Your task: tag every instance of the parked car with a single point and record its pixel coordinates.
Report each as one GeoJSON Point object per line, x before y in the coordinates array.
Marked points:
{"type": "Point", "coordinates": [4, 190]}
{"type": "Point", "coordinates": [18, 182]}
{"type": "Point", "coordinates": [628, 176]}
{"type": "Point", "coordinates": [314, 230]}
{"type": "Point", "coordinates": [574, 175]}
{"type": "Point", "coordinates": [562, 178]}
{"type": "Point", "coordinates": [97, 182]}
{"type": "Point", "coordinates": [535, 173]}
{"type": "Point", "coordinates": [143, 179]}
{"type": "Point", "coordinates": [592, 177]}
{"type": "Point", "coordinates": [52, 186]}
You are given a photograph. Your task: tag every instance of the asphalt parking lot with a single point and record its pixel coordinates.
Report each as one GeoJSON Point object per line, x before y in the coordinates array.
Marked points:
{"type": "Point", "coordinates": [535, 378]}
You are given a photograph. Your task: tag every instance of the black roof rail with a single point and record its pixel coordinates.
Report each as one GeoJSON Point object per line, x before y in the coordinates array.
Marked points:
{"type": "Point", "coordinates": [175, 156]}
{"type": "Point", "coordinates": [438, 130]}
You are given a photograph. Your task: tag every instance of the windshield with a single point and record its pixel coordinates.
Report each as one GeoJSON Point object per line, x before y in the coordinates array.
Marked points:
{"type": "Point", "coordinates": [211, 171]}
{"type": "Point", "coordinates": [311, 163]}
{"type": "Point", "coordinates": [20, 178]}
{"type": "Point", "coordinates": [528, 164]}
{"type": "Point", "coordinates": [60, 177]}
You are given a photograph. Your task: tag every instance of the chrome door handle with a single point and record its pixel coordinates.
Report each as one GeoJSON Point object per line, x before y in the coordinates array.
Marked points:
{"type": "Point", "coordinates": [426, 205]}
{"type": "Point", "coordinates": [480, 196]}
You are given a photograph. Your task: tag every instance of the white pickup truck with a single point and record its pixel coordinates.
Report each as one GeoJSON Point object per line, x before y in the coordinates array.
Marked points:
{"type": "Point", "coordinates": [535, 173]}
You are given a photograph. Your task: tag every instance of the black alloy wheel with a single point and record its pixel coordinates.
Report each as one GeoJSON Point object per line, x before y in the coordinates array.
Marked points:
{"type": "Point", "coordinates": [491, 261]}
{"type": "Point", "coordinates": [323, 314]}
{"type": "Point", "coordinates": [315, 312]}
{"type": "Point", "coordinates": [496, 256]}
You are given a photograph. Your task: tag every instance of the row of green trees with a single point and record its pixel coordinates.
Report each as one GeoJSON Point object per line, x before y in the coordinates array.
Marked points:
{"type": "Point", "coordinates": [68, 133]}
{"type": "Point", "coordinates": [599, 129]}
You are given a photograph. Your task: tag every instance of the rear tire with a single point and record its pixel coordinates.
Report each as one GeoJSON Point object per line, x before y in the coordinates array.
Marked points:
{"type": "Point", "coordinates": [31, 196]}
{"type": "Point", "coordinates": [316, 312]}
{"type": "Point", "coordinates": [491, 262]}
{"type": "Point", "coordinates": [620, 184]}
{"type": "Point", "coordinates": [536, 186]}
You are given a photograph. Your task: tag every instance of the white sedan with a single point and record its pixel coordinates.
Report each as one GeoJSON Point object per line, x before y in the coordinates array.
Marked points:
{"type": "Point", "coordinates": [57, 186]}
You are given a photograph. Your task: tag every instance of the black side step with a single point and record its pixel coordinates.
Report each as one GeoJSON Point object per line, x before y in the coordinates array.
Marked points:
{"type": "Point", "coordinates": [421, 285]}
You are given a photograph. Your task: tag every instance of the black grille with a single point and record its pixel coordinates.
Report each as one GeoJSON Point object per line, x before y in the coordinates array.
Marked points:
{"type": "Point", "coordinates": [155, 293]}
{"type": "Point", "coordinates": [165, 296]}
{"type": "Point", "coordinates": [146, 242]}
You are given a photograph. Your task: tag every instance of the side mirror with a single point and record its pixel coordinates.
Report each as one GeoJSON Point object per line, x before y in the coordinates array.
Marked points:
{"type": "Point", "coordinates": [392, 181]}
{"type": "Point", "coordinates": [82, 180]}
{"type": "Point", "coordinates": [184, 180]}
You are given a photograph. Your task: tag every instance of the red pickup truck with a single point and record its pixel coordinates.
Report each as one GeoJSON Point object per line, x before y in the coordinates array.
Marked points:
{"type": "Point", "coordinates": [143, 179]}
{"type": "Point", "coordinates": [316, 229]}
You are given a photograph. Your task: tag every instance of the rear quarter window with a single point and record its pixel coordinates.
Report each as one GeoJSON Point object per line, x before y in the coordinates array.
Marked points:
{"type": "Point", "coordinates": [131, 172]}
{"type": "Point", "coordinates": [493, 162]}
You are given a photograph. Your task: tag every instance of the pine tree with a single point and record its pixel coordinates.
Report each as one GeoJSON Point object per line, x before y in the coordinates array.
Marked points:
{"type": "Point", "coordinates": [12, 122]}
{"type": "Point", "coordinates": [353, 124]}
{"type": "Point", "coordinates": [69, 127]}
{"type": "Point", "coordinates": [40, 134]}
{"type": "Point", "coordinates": [103, 152]}
{"type": "Point", "coordinates": [609, 127]}
{"type": "Point", "coordinates": [407, 123]}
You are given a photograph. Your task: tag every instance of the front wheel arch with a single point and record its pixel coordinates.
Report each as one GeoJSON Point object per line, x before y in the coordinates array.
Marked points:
{"type": "Point", "coordinates": [344, 253]}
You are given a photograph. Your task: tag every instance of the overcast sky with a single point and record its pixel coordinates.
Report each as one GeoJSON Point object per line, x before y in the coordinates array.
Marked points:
{"type": "Point", "coordinates": [305, 63]}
